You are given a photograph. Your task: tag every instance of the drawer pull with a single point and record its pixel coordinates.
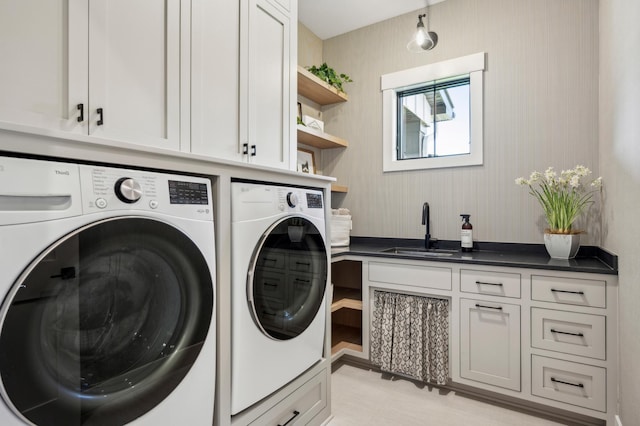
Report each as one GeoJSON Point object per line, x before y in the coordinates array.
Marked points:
{"type": "Point", "coordinates": [578, 385]}
{"type": "Point", "coordinates": [486, 283]}
{"type": "Point", "coordinates": [295, 414]}
{"type": "Point", "coordinates": [567, 291]}
{"type": "Point", "coordinates": [303, 263]}
{"type": "Point", "coordinates": [499, 308]}
{"type": "Point", "coordinates": [566, 332]}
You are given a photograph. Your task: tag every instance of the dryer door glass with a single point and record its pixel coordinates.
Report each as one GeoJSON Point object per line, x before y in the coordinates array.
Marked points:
{"type": "Point", "coordinates": [105, 324]}
{"type": "Point", "coordinates": [287, 286]}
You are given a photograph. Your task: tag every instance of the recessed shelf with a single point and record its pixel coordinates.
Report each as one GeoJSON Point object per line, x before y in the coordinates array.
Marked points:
{"type": "Point", "coordinates": [318, 139]}
{"type": "Point", "coordinates": [320, 92]}
{"type": "Point", "coordinates": [348, 298]}
{"type": "Point", "coordinates": [339, 188]}
{"type": "Point", "coordinates": [345, 337]}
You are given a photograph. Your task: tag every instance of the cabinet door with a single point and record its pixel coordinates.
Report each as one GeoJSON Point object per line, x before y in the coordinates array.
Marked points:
{"type": "Point", "coordinates": [215, 81]}
{"type": "Point", "coordinates": [39, 42]}
{"type": "Point", "coordinates": [135, 60]}
{"type": "Point", "coordinates": [490, 343]}
{"type": "Point", "coordinates": [266, 116]}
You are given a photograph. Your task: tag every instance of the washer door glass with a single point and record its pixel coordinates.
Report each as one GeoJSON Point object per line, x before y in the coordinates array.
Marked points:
{"type": "Point", "coordinates": [289, 278]}
{"type": "Point", "coordinates": [105, 324]}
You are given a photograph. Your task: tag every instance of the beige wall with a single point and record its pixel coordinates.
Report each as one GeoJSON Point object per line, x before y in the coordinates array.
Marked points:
{"type": "Point", "coordinates": [620, 166]}
{"type": "Point", "coordinates": [541, 109]}
{"type": "Point", "coordinates": [309, 47]}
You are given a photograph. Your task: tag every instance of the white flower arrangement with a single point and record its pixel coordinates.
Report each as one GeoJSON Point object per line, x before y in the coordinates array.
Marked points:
{"type": "Point", "coordinates": [563, 198]}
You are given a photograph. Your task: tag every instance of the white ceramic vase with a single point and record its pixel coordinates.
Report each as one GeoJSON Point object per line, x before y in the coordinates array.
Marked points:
{"type": "Point", "coordinates": [562, 246]}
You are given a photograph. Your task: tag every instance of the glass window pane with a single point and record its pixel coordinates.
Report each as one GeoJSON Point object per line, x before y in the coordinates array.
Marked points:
{"type": "Point", "coordinates": [434, 119]}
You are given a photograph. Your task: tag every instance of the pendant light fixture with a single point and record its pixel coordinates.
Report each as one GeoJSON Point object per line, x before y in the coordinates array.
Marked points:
{"type": "Point", "coordinates": [423, 39]}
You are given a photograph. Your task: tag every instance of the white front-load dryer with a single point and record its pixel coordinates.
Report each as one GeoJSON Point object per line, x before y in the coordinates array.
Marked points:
{"type": "Point", "coordinates": [108, 285]}
{"type": "Point", "coordinates": [279, 280]}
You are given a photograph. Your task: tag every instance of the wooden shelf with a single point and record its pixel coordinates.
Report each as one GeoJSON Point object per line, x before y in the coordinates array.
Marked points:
{"type": "Point", "coordinates": [318, 139]}
{"type": "Point", "coordinates": [339, 188]}
{"type": "Point", "coordinates": [320, 92]}
{"type": "Point", "coordinates": [344, 337]}
{"type": "Point", "coordinates": [348, 298]}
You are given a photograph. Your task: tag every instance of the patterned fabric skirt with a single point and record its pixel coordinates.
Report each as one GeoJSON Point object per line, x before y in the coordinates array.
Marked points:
{"type": "Point", "coordinates": [410, 336]}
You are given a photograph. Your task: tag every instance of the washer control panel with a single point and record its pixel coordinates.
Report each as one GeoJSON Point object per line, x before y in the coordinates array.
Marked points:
{"type": "Point", "coordinates": [108, 189]}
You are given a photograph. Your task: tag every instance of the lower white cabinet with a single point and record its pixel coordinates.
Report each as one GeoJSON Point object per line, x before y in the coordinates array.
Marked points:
{"type": "Point", "coordinates": [573, 383]}
{"type": "Point", "coordinates": [300, 407]}
{"type": "Point", "coordinates": [545, 337]}
{"type": "Point", "coordinates": [569, 332]}
{"type": "Point", "coordinates": [490, 343]}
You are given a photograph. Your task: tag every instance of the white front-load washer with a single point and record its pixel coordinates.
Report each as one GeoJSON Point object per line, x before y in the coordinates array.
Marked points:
{"type": "Point", "coordinates": [279, 280]}
{"type": "Point", "coordinates": [108, 281]}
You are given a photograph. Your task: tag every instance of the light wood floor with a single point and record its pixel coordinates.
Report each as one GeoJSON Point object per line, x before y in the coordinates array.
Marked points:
{"type": "Point", "coordinates": [363, 397]}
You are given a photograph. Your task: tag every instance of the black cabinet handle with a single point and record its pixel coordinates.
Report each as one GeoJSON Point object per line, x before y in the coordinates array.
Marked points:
{"type": "Point", "coordinates": [253, 150]}
{"type": "Point", "coordinates": [486, 283]}
{"type": "Point", "coordinates": [245, 148]}
{"type": "Point", "coordinates": [100, 116]}
{"type": "Point", "coordinates": [578, 385]}
{"type": "Point", "coordinates": [499, 308]}
{"type": "Point", "coordinates": [566, 332]}
{"type": "Point", "coordinates": [567, 291]}
{"type": "Point", "coordinates": [81, 109]}
{"type": "Point", "coordinates": [296, 413]}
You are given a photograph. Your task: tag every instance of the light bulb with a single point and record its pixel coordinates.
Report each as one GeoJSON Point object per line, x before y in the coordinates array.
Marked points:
{"type": "Point", "coordinates": [422, 39]}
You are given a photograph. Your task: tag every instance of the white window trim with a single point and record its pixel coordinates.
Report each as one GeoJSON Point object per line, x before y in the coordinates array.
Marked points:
{"type": "Point", "coordinates": [392, 83]}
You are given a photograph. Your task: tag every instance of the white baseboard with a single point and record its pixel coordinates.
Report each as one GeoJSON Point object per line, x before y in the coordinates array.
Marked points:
{"type": "Point", "coordinates": [618, 421]}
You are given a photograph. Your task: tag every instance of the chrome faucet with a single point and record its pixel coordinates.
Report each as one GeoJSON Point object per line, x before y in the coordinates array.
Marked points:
{"type": "Point", "coordinates": [425, 221]}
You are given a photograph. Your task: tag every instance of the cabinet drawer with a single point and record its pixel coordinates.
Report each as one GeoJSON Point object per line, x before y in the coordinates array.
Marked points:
{"type": "Point", "coordinates": [413, 275]}
{"type": "Point", "coordinates": [569, 332]}
{"type": "Point", "coordinates": [576, 384]}
{"type": "Point", "coordinates": [490, 283]}
{"type": "Point", "coordinates": [299, 407]}
{"type": "Point", "coordinates": [569, 291]}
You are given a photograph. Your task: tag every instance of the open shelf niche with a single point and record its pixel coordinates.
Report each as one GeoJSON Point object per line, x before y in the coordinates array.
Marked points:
{"type": "Point", "coordinates": [346, 306]}
{"type": "Point", "coordinates": [320, 92]}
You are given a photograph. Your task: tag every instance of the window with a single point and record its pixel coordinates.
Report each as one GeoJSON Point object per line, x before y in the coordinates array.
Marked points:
{"type": "Point", "coordinates": [432, 115]}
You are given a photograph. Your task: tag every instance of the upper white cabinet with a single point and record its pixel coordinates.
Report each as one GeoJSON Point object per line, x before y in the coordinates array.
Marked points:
{"type": "Point", "coordinates": [268, 70]}
{"type": "Point", "coordinates": [215, 79]}
{"type": "Point", "coordinates": [35, 76]}
{"type": "Point", "coordinates": [111, 69]}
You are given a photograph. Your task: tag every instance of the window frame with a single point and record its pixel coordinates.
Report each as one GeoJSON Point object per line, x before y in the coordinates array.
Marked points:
{"type": "Point", "coordinates": [473, 65]}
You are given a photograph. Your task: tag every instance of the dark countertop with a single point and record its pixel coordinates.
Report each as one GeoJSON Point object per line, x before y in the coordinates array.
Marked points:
{"type": "Point", "coordinates": [590, 259]}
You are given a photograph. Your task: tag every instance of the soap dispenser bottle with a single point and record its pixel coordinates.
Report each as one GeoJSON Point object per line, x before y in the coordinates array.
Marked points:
{"type": "Point", "coordinates": [466, 234]}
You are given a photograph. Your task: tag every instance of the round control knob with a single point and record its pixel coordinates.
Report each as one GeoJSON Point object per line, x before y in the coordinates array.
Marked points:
{"type": "Point", "coordinates": [128, 190]}
{"type": "Point", "coordinates": [292, 199]}
{"type": "Point", "coordinates": [101, 203]}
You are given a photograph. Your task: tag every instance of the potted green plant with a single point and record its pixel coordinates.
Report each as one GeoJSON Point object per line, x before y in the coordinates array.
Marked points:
{"type": "Point", "coordinates": [563, 199]}
{"type": "Point", "coordinates": [330, 76]}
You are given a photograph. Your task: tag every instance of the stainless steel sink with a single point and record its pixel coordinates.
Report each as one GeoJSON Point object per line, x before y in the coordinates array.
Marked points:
{"type": "Point", "coordinates": [416, 251]}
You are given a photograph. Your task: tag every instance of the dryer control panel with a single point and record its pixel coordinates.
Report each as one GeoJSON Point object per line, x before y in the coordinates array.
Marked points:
{"type": "Point", "coordinates": [252, 200]}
